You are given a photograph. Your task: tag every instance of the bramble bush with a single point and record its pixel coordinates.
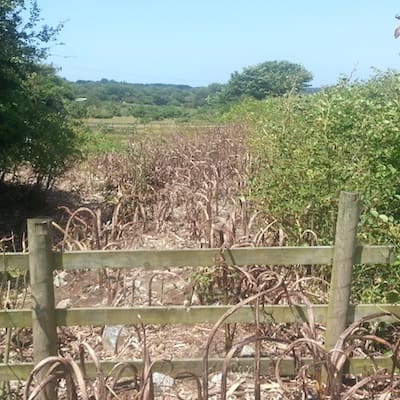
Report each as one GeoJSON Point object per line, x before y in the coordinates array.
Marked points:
{"type": "Point", "coordinates": [311, 147]}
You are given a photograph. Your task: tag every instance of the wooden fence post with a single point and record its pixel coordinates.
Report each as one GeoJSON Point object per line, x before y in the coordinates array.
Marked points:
{"type": "Point", "coordinates": [44, 328]}
{"type": "Point", "coordinates": [342, 268]}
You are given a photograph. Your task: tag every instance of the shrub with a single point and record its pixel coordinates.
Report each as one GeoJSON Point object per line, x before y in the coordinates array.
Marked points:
{"type": "Point", "coordinates": [312, 147]}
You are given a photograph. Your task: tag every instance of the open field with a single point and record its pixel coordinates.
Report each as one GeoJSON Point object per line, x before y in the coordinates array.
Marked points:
{"type": "Point", "coordinates": [115, 134]}
{"type": "Point", "coordinates": [115, 124]}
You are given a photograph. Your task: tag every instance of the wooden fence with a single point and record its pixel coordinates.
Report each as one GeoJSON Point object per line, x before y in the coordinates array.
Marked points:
{"type": "Point", "coordinates": [43, 317]}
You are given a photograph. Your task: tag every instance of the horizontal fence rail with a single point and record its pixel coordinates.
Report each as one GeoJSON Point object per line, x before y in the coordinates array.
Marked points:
{"type": "Point", "coordinates": [288, 367]}
{"type": "Point", "coordinates": [158, 259]}
{"type": "Point", "coordinates": [180, 315]}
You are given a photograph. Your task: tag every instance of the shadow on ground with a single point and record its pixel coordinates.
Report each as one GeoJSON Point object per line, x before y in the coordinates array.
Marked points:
{"type": "Point", "coordinates": [19, 202]}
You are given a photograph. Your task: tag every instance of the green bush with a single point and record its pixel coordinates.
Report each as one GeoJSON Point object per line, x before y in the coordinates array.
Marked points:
{"type": "Point", "coordinates": [311, 147]}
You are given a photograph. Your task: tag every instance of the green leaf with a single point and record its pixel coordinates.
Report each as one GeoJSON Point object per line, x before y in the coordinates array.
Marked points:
{"type": "Point", "coordinates": [393, 296]}
{"type": "Point", "coordinates": [374, 213]}
{"type": "Point", "coordinates": [384, 218]}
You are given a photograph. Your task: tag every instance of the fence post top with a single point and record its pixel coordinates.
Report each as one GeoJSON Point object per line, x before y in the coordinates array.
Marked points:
{"type": "Point", "coordinates": [39, 226]}
{"type": "Point", "coordinates": [39, 220]}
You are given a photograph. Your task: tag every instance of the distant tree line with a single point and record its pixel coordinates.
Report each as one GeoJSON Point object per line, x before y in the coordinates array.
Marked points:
{"type": "Point", "coordinates": [108, 98]}
{"type": "Point", "coordinates": [149, 94]}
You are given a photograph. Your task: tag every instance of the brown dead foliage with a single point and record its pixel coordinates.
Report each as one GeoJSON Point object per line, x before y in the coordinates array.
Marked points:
{"type": "Point", "coordinates": [192, 185]}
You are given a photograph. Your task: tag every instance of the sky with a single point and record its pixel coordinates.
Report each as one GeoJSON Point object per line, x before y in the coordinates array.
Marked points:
{"type": "Point", "coordinates": [198, 42]}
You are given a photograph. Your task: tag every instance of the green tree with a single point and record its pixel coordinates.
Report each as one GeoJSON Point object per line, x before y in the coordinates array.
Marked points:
{"type": "Point", "coordinates": [271, 78]}
{"type": "Point", "coordinates": [35, 127]}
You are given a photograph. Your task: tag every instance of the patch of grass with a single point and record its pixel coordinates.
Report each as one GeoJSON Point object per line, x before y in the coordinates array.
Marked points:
{"type": "Point", "coordinates": [100, 143]}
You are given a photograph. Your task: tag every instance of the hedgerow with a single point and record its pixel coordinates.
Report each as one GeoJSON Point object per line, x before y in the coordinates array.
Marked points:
{"type": "Point", "coordinates": [311, 147]}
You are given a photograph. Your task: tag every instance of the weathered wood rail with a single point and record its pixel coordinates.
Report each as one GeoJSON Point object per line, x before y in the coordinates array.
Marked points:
{"type": "Point", "coordinates": [43, 317]}
{"type": "Point", "coordinates": [158, 259]}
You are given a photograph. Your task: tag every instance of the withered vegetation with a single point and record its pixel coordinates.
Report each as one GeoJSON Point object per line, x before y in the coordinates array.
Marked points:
{"type": "Point", "coordinates": [186, 189]}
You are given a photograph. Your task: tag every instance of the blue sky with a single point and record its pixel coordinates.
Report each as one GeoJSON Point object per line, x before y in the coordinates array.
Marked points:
{"type": "Point", "coordinates": [198, 42]}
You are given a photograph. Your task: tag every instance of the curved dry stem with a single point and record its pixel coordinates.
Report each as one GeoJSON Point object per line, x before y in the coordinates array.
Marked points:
{"type": "Point", "coordinates": [395, 361]}
{"type": "Point", "coordinates": [191, 375]}
{"type": "Point", "coordinates": [377, 339]}
{"type": "Point", "coordinates": [111, 246]}
{"type": "Point", "coordinates": [101, 388]}
{"type": "Point", "coordinates": [150, 292]}
{"type": "Point", "coordinates": [47, 362]}
{"type": "Point", "coordinates": [48, 377]}
{"type": "Point", "coordinates": [344, 354]}
{"type": "Point", "coordinates": [267, 276]}
{"type": "Point", "coordinates": [114, 220]}
{"type": "Point", "coordinates": [86, 347]}
{"type": "Point", "coordinates": [323, 354]}
{"type": "Point", "coordinates": [63, 243]}
{"type": "Point", "coordinates": [119, 370]}
{"type": "Point", "coordinates": [147, 390]}
{"type": "Point", "coordinates": [214, 331]}
{"type": "Point", "coordinates": [233, 350]}
{"type": "Point", "coordinates": [336, 357]}
{"type": "Point", "coordinates": [259, 237]}
{"type": "Point", "coordinates": [73, 215]}
{"type": "Point", "coordinates": [40, 389]}
{"type": "Point", "coordinates": [70, 369]}
{"type": "Point", "coordinates": [350, 393]}
{"type": "Point", "coordinates": [313, 234]}
{"type": "Point", "coordinates": [80, 379]}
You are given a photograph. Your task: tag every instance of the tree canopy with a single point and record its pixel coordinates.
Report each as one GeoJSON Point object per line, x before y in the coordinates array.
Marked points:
{"type": "Point", "coordinates": [271, 78]}
{"type": "Point", "coordinates": [35, 128]}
